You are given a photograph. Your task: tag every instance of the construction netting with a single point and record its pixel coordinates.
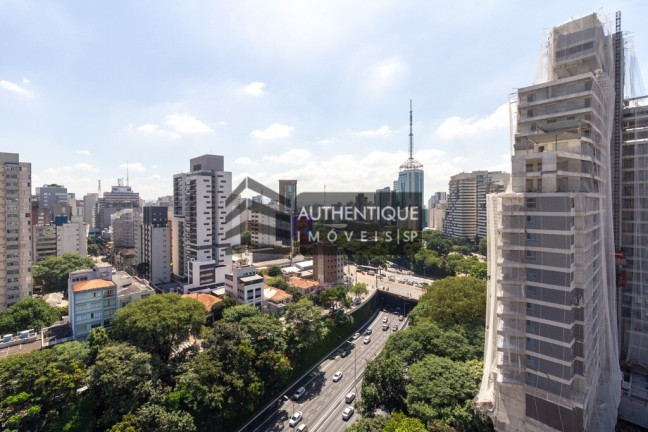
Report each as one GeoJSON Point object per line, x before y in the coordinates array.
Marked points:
{"type": "Point", "coordinates": [551, 350]}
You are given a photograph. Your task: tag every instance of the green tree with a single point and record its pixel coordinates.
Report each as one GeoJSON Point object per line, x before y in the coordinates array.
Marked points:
{"type": "Point", "coordinates": [304, 325]}
{"type": "Point", "coordinates": [97, 339]}
{"type": "Point", "coordinates": [277, 282]}
{"type": "Point", "coordinates": [159, 323]}
{"type": "Point", "coordinates": [383, 385]}
{"type": "Point", "coordinates": [153, 417]}
{"type": "Point", "coordinates": [453, 300]}
{"type": "Point", "coordinates": [483, 245]}
{"type": "Point", "coordinates": [399, 422]}
{"type": "Point", "coordinates": [442, 389]}
{"type": "Point", "coordinates": [219, 308]}
{"type": "Point", "coordinates": [52, 272]}
{"type": "Point", "coordinates": [29, 313]}
{"type": "Point", "coordinates": [369, 424]}
{"type": "Point", "coordinates": [120, 381]}
{"type": "Point", "coordinates": [239, 312]}
{"type": "Point", "coordinates": [93, 249]}
{"type": "Point", "coordinates": [246, 238]}
{"type": "Point", "coordinates": [359, 289]}
{"type": "Point", "coordinates": [143, 268]}
{"type": "Point", "coordinates": [274, 271]}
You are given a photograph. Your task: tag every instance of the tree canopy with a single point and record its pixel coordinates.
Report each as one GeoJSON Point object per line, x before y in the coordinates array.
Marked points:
{"type": "Point", "coordinates": [29, 313]}
{"type": "Point", "coordinates": [52, 272]}
{"type": "Point", "coordinates": [453, 300]}
{"type": "Point", "coordinates": [159, 323]}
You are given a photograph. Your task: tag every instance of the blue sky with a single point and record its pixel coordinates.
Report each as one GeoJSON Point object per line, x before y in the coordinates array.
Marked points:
{"type": "Point", "coordinates": [313, 90]}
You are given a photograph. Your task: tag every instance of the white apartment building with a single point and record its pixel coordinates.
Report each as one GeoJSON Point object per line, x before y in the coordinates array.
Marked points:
{"type": "Point", "coordinates": [203, 227]}
{"type": "Point", "coordinates": [72, 237]}
{"type": "Point", "coordinates": [245, 285]}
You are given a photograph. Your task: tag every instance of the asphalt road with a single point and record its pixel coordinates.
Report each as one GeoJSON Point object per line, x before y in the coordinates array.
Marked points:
{"type": "Point", "coordinates": [324, 400]}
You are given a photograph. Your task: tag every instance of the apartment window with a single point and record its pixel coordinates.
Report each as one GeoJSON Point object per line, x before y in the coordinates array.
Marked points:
{"type": "Point", "coordinates": [531, 291]}
{"type": "Point", "coordinates": [530, 97]}
{"type": "Point", "coordinates": [531, 361]}
{"type": "Point", "coordinates": [529, 113]}
{"type": "Point", "coordinates": [531, 274]}
{"type": "Point", "coordinates": [530, 203]}
{"type": "Point", "coordinates": [531, 326]}
{"type": "Point", "coordinates": [532, 379]}
{"type": "Point", "coordinates": [530, 307]}
{"type": "Point", "coordinates": [530, 255]}
{"type": "Point", "coordinates": [531, 343]}
{"type": "Point", "coordinates": [531, 237]}
{"type": "Point", "coordinates": [531, 220]}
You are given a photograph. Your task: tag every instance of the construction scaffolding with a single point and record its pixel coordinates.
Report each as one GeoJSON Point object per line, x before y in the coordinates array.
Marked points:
{"type": "Point", "coordinates": [551, 353]}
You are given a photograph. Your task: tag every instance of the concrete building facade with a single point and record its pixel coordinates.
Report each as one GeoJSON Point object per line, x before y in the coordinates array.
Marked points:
{"type": "Point", "coordinates": [155, 244]}
{"type": "Point", "coordinates": [15, 230]}
{"type": "Point", "coordinates": [551, 353]}
{"type": "Point", "coordinates": [328, 263]}
{"type": "Point", "coordinates": [245, 285]}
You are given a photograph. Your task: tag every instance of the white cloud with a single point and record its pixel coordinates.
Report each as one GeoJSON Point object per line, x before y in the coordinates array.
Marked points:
{"type": "Point", "coordinates": [245, 161]}
{"type": "Point", "coordinates": [154, 129]}
{"type": "Point", "coordinates": [83, 152]}
{"type": "Point", "coordinates": [456, 126]}
{"type": "Point", "coordinates": [381, 131]}
{"type": "Point", "coordinates": [292, 157]}
{"type": "Point", "coordinates": [255, 88]}
{"type": "Point", "coordinates": [15, 88]}
{"type": "Point", "coordinates": [274, 131]}
{"type": "Point", "coordinates": [324, 141]}
{"type": "Point", "coordinates": [153, 177]}
{"type": "Point", "coordinates": [25, 81]}
{"type": "Point", "coordinates": [76, 167]}
{"type": "Point", "coordinates": [132, 167]}
{"type": "Point", "coordinates": [187, 124]}
{"type": "Point", "coordinates": [222, 123]}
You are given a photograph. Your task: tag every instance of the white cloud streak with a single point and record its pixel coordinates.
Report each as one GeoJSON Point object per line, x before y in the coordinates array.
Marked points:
{"type": "Point", "coordinates": [272, 132]}
{"type": "Point", "coordinates": [454, 127]}
{"type": "Point", "coordinates": [14, 88]}
{"type": "Point", "coordinates": [381, 131]}
{"type": "Point", "coordinates": [255, 88]}
{"type": "Point", "coordinates": [187, 124]}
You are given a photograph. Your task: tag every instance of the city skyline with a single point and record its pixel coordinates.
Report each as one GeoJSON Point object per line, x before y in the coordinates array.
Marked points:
{"type": "Point", "coordinates": [108, 88]}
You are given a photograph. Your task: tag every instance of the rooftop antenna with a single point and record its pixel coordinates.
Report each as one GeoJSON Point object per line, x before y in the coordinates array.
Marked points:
{"type": "Point", "coordinates": [127, 183]}
{"type": "Point", "coordinates": [99, 187]}
{"type": "Point", "coordinates": [411, 135]}
{"type": "Point", "coordinates": [411, 163]}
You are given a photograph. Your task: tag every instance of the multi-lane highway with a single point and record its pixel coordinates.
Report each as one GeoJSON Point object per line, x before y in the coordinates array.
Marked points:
{"type": "Point", "coordinates": [324, 401]}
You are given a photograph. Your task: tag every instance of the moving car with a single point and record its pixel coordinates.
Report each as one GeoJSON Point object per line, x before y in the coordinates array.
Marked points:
{"type": "Point", "coordinates": [302, 428]}
{"type": "Point", "coordinates": [295, 419]}
{"type": "Point", "coordinates": [299, 393]}
{"type": "Point", "coordinates": [400, 317]}
{"type": "Point", "coordinates": [355, 336]}
{"type": "Point", "coordinates": [385, 319]}
{"type": "Point", "coordinates": [394, 327]}
{"type": "Point", "coordinates": [367, 339]}
{"type": "Point", "coordinates": [350, 397]}
{"type": "Point", "coordinates": [391, 278]}
{"type": "Point", "coordinates": [368, 331]}
{"type": "Point", "coordinates": [385, 327]}
{"type": "Point", "coordinates": [337, 376]}
{"type": "Point", "coordinates": [347, 413]}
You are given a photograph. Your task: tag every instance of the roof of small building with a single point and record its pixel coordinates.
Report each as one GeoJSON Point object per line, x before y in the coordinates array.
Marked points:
{"type": "Point", "coordinates": [253, 278]}
{"type": "Point", "coordinates": [275, 295]}
{"type": "Point", "coordinates": [291, 269]}
{"type": "Point", "coordinates": [302, 283]}
{"type": "Point", "coordinates": [207, 300]}
{"type": "Point", "coordinates": [92, 284]}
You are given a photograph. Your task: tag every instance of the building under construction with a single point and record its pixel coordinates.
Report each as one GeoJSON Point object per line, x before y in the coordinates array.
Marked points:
{"type": "Point", "coordinates": [552, 340]}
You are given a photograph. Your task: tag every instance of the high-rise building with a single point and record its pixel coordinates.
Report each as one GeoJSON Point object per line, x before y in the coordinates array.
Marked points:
{"type": "Point", "coordinates": [89, 203]}
{"type": "Point", "coordinates": [72, 237]}
{"type": "Point", "coordinates": [15, 230]}
{"type": "Point", "coordinates": [287, 208]}
{"type": "Point", "coordinates": [465, 212]}
{"type": "Point", "coordinates": [409, 186]}
{"type": "Point", "coordinates": [551, 354]}
{"type": "Point", "coordinates": [328, 263]}
{"type": "Point", "coordinates": [154, 249]}
{"type": "Point", "coordinates": [123, 225]}
{"type": "Point", "coordinates": [44, 240]}
{"type": "Point", "coordinates": [120, 197]}
{"type": "Point", "coordinates": [436, 198]}
{"type": "Point", "coordinates": [203, 227]}
{"type": "Point", "coordinates": [48, 195]}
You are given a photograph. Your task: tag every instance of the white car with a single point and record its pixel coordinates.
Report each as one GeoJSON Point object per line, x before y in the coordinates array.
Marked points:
{"type": "Point", "coordinates": [347, 413]}
{"type": "Point", "coordinates": [337, 377]}
{"type": "Point", "coordinates": [385, 319]}
{"type": "Point", "coordinates": [367, 339]}
{"type": "Point", "coordinates": [350, 397]}
{"type": "Point", "coordinates": [295, 419]}
{"type": "Point", "coordinates": [355, 336]}
{"type": "Point", "coordinates": [302, 428]}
